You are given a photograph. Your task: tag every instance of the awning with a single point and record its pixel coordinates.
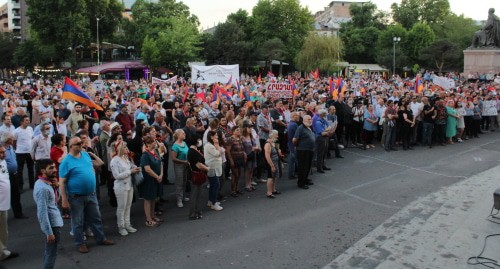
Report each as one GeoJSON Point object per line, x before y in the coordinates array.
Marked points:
{"type": "Point", "coordinates": [112, 67]}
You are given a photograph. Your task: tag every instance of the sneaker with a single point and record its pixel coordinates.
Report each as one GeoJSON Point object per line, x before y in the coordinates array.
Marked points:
{"type": "Point", "coordinates": [460, 140]}
{"type": "Point", "coordinates": [84, 237]}
{"type": "Point", "coordinates": [89, 233]}
{"type": "Point", "coordinates": [261, 180]}
{"type": "Point", "coordinates": [179, 204]}
{"type": "Point", "coordinates": [130, 229]}
{"type": "Point", "coordinates": [122, 231]}
{"type": "Point", "coordinates": [216, 207]}
{"type": "Point", "coordinates": [186, 199]}
{"type": "Point", "coordinates": [209, 204]}
{"type": "Point", "coordinates": [254, 183]}
{"type": "Point", "coordinates": [341, 146]}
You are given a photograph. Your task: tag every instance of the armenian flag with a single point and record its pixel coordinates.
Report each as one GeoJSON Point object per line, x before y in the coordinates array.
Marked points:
{"type": "Point", "coordinates": [418, 85]}
{"type": "Point", "coordinates": [71, 91]}
{"type": "Point", "coordinates": [229, 83]}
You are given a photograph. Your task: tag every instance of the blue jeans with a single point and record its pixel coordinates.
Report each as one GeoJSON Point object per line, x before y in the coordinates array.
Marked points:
{"type": "Point", "coordinates": [49, 257]}
{"type": "Point", "coordinates": [85, 210]}
{"type": "Point", "coordinates": [292, 161]}
{"type": "Point", "coordinates": [427, 134]}
{"type": "Point", "coordinates": [213, 191]}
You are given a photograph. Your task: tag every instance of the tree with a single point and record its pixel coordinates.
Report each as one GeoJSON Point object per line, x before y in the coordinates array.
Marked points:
{"type": "Point", "coordinates": [359, 43]}
{"type": "Point", "coordinates": [441, 54]}
{"type": "Point", "coordinates": [145, 15]}
{"type": "Point", "coordinates": [409, 12]}
{"type": "Point", "coordinates": [286, 20]}
{"type": "Point", "coordinates": [323, 52]}
{"type": "Point", "coordinates": [273, 49]}
{"type": "Point", "coordinates": [367, 15]}
{"type": "Point", "coordinates": [229, 45]}
{"type": "Point", "coordinates": [385, 47]}
{"type": "Point", "coordinates": [66, 25]}
{"type": "Point", "coordinates": [7, 47]}
{"type": "Point", "coordinates": [171, 42]}
{"type": "Point", "coordinates": [456, 29]}
{"type": "Point", "coordinates": [360, 34]}
{"type": "Point", "coordinates": [32, 52]}
{"type": "Point", "coordinates": [419, 37]}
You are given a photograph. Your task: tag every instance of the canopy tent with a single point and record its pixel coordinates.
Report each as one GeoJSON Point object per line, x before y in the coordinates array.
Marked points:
{"type": "Point", "coordinates": [125, 67]}
{"type": "Point", "coordinates": [112, 67]}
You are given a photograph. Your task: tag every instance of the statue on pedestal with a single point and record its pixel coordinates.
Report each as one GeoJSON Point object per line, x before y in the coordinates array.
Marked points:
{"type": "Point", "coordinates": [489, 35]}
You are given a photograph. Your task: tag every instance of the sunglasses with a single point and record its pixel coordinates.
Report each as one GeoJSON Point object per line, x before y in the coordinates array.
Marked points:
{"type": "Point", "coordinates": [77, 144]}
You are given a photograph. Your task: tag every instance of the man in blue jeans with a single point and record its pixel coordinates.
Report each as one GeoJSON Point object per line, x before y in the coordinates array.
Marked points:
{"type": "Point", "coordinates": [77, 186]}
{"type": "Point", "coordinates": [49, 216]}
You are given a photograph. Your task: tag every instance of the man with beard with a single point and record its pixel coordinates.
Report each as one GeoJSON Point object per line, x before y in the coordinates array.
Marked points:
{"type": "Point", "coordinates": [74, 118]}
{"type": "Point", "coordinates": [304, 140]}
{"type": "Point", "coordinates": [49, 217]}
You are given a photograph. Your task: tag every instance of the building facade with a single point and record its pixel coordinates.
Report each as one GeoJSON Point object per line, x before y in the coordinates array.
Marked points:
{"type": "Point", "coordinates": [13, 19]}
{"type": "Point", "coordinates": [328, 21]}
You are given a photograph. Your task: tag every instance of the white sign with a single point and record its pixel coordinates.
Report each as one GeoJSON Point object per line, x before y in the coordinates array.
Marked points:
{"type": "Point", "coordinates": [215, 73]}
{"type": "Point", "coordinates": [98, 85]}
{"type": "Point", "coordinates": [443, 82]}
{"type": "Point", "coordinates": [279, 90]}
{"type": "Point", "coordinates": [164, 81]}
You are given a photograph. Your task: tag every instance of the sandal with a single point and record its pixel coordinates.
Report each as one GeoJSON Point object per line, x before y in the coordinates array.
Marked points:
{"type": "Point", "coordinates": [234, 194]}
{"type": "Point", "coordinates": [249, 189]}
{"type": "Point", "coordinates": [158, 220]}
{"type": "Point", "coordinates": [270, 196]}
{"type": "Point", "coordinates": [276, 192]}
{"type": "Point", "coordinates": [151, 223]}
{"type": "Point", "coordinates": [253, 188]}
{"type": "Point", "coordinates": [239, 192]}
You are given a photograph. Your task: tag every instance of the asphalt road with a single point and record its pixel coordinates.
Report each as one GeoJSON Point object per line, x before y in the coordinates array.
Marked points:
{"type": "Point", "coordinates": [299, 229]}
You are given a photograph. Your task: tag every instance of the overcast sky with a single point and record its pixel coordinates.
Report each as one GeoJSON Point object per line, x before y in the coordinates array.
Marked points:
{"type": "Point", "coordinates": [211, 12]}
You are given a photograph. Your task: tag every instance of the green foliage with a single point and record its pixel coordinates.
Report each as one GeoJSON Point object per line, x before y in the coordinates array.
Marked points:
{"type": "Point", "coordinates": [33, 52]}
{"type": "Point", "coordinates": [443, 54]}
{"type": "Point", "coordinates": [456, 29]}
{"type": "Point", "coordinates": [323, 52]}
{"type": "Point", "coordinates": [359, 43]}
{"type": "Point", "coordinates": [227, 45]}
{"type": "Point", "coordinates": [286, 20]}
{"type": "Point", "coordinates": [385, 47]}
{"type": "Point", "coordinates": [419, 37]}
{"type": "Point", "coordinates": [7, 47]}
{"type": "Point", "coordinates": [367, 15]}
{"type": "Point", "coordinates": [149, 16]}
{"type": "Point", "coordinates": [410, 12]}
{"type": "Point", "coordinates": [64, 25]}
{"type": "Point", "coordinates": [170, 42]}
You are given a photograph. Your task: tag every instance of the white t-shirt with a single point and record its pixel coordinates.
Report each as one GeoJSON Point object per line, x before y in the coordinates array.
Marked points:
{"type": "Point", "coordinates": [4, 187]}
{"type": "Point", "coordinates": [24, 139]}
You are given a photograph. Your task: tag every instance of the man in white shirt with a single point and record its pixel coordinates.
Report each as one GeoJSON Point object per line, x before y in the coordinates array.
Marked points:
{"type": "Point", "coordinates": [416, 107]}
{"type": "Point", "coordinates": [7, 126]}
{"type": "Point", "coordinates": [41, 144]}
{"type": "Point", "coordinates": [23, 136]}
{"type": "Point", "coordinates": [4, 208]}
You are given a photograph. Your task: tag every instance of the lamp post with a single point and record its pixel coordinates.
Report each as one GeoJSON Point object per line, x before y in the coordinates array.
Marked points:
{"type": "Point", "coordinates": [394, 41]}
{"type": "Point", "coordinates": [98, 47]}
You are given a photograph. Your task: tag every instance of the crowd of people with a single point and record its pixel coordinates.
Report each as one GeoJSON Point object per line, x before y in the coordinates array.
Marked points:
{"type": "Point", "coordinates": [240, 138]}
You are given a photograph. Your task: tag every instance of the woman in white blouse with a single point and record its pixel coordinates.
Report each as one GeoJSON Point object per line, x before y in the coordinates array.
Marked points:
{"type": "Point", "coordinates": [213, 159]}
{"type": "Point", "coordinates": [122, 169]}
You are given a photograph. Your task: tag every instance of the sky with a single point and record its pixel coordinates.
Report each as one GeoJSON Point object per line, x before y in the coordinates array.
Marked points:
{"type": "Point", "coordinates": [211, 12]}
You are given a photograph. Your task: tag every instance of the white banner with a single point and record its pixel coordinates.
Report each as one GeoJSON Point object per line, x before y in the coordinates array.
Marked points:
{"type": "Point", "coordinates": [444, 82]}
{"type": "Point", "coordinates": [215, 73]}
{"type": "Point", "coordinates": [279, 90]}
{"type": "Point", "coordinates": [164, 81]}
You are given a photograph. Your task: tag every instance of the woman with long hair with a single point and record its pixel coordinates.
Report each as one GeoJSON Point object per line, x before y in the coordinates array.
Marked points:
{"type": "Point", "coordinates": [407, 123]}
{"type": "Point", "coordinates": [251, 146]}
{"type": "Point", "coordinates": [123, 169]}
{"type": "Point", "coordinates": [213, 153]}
{"type": "Point", "coordinates": [151, 188]}
{"type": "Point", "coordinates": [197, 164]}
{"type": "Point", "coordinates": [237, 159]}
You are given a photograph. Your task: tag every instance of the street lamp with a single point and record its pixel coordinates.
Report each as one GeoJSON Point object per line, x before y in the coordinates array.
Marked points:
{"type": "Point", "coordinates": [98, 48]}
{"type": "Point", "coordinates": [394, 41]}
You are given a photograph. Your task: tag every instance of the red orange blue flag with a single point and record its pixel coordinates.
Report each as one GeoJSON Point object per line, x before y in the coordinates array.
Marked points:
{"type": "Point", "coordinates": [71, 91]}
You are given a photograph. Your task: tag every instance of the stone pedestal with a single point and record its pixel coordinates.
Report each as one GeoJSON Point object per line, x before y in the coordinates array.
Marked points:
{"type": "Point", "coordinates": [481, 61]}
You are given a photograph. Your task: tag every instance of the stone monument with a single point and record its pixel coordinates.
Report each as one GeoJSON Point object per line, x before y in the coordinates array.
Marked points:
{"type": "Point", "coordinates": [483, 55]}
